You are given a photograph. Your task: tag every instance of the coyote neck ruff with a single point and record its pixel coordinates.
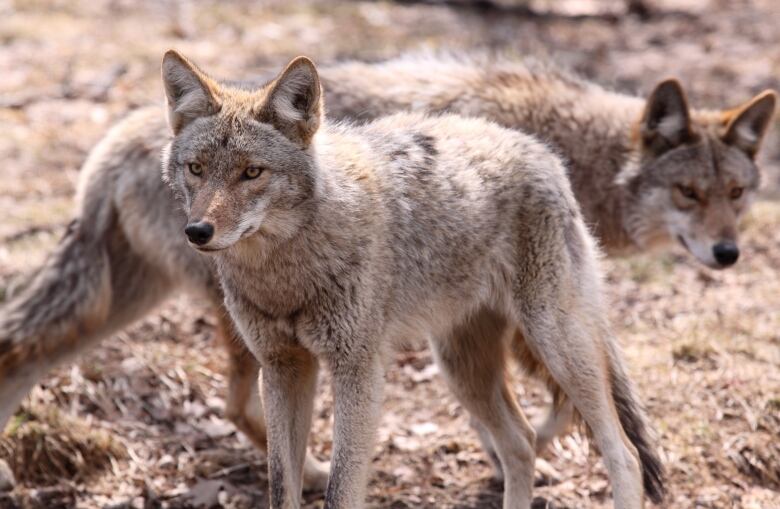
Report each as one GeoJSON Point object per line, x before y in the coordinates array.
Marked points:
{"type": "Point", "coordinates": [334, 242]}
{"type": "Point", "coordinates": [279, 272]}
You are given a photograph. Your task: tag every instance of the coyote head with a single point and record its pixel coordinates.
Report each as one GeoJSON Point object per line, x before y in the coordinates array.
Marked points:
{"type": "Point", "coordinates": [696, 174]}
{"type": "Point", "coordinates": [241, 160]}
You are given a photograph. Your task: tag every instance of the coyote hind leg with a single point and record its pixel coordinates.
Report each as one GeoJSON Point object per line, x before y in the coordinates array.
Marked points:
{"type": "Point", "coordinates": [475, 369]}
{"type": "Point", "coordinates": [571, 343]}
{"type": "Point", "coordinates": [560, 416]}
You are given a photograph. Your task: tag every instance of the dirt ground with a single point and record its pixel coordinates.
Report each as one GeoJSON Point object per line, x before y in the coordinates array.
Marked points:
{"type": "Point", "coordinates": [139, 422]}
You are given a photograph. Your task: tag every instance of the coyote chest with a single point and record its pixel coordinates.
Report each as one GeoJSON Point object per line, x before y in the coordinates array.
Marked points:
{"type": "Point", "coordinates": [267, 304]}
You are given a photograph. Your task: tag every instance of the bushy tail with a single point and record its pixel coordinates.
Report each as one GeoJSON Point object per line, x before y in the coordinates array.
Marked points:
{"type": "Point", "coordinates": [92, 285]}
{"type": "Point", "coordinates": [68, 298]}
{"type": "Point", "coordinates": [54, 316]}
{"type": "Point", "coordinates": [635, 427]}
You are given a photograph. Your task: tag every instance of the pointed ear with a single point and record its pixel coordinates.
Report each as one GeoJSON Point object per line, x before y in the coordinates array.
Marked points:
{"type": "Point", "coordinates": [666, 122]}
{"type": "Point", "coordinates": [189, 92]}
{"type": "Point", "coordinates": [294, 102]}
{"type": "Point", "coordinates": [749, 123]}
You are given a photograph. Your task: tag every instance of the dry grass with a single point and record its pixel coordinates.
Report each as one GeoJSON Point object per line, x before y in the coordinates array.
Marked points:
{"type": "Point", "coordinates": [44, 447]}
{"type": "Point", "coordinates": [703, 347]}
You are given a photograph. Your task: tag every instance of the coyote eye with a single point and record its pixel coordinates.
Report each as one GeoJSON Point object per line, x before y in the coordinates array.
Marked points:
{"type": "Point", "coordinates": [688, 192]}
{"type": "Point", "coordinates": [736, 193]}
{"type": "Point", "coordinates": [195, 168]}
{"type": "Point", "coordinates": [252, 172]}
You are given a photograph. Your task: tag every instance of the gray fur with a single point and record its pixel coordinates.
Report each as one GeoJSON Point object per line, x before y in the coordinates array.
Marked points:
{"type": "Point", "coordinates": [629, 198]}
{"type": "Point", "coordinates": [97, 282]}
{"type": "Point", "coordinates": [343, 247]}
{"type": "Point", "coordinates": [625, 179]}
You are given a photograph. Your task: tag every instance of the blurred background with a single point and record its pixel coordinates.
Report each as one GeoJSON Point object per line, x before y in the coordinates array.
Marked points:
{"type": "Point", "coordinates": [140, 422]}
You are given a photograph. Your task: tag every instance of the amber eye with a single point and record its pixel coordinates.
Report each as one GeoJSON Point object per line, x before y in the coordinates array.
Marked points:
{"type": "Point", "coordinates": [688, 192]}
{"type": "Point", "coordinates": [736, 193]}
{"type": "Point", "coordinates": [252, 172]}
{"type": "Point", "coordinates": [195, 168]}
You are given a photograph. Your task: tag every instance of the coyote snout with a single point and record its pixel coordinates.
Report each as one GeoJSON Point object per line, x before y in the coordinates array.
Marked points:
{"type": "Point", "coordinates": [709, 227]}
{"type": "Point", "coordinates": [698, 174]}
{"type": "Point", "coordinates": [718, 254]}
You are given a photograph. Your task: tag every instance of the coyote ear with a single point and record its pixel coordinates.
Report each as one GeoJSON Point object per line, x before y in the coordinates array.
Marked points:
{"type": "Point", "coordinates": [294, 103]}
{"type": "Point", "coordinates": [189, 92]}
{"type": "Point", "coordinates": [748, 123]}
{"type": "Point", "coordinates": [666, 122]}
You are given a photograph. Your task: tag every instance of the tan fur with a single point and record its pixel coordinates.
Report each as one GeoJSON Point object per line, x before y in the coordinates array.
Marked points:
{"type": "Point", "coordinates": [614, 169]}
{"type": "Point", "coordinates": [321, 267]}
{"type": "Point", "coordinates": [587, 123]}
{"type": "Point", "coordinates": [61, 313]}
{"type": "Point", "coordinates": [244, 406]}
{"type": "Point", "coordinates": [121, 196]}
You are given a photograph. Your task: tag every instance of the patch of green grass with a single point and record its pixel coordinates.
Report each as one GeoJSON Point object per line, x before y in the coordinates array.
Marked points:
{"type": "Point", "coordinates": [16, 422]}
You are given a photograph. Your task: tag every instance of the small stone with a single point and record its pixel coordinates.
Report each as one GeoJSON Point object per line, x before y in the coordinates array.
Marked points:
{"type": "Point", "coordinates": [425, 428]}
{"type": "Point", "coordinates": [166, 461]}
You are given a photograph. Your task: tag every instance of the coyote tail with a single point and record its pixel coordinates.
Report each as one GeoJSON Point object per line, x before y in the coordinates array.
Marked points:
{"type": "Point", "coordinates": [69, 298]}
{"type": "Point", "coordinates": [630, 414]}
{"type": "Point", "coordinates": [635, 427]}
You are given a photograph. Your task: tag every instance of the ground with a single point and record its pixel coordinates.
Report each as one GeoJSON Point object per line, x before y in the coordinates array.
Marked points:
{"type": "Point", "coordinates": [139, 422]}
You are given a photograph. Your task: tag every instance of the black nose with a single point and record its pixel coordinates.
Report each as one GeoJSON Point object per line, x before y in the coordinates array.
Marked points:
{"type": "Point", "coordinates": [199, 233]}
{"type": "Point", "coordinates": [726, 253]}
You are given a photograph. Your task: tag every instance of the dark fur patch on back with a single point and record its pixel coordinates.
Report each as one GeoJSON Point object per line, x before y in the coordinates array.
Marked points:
{"type": "Point", "coordinates": [400, 153]}
{"type": "Point", "coordinates": [427, 143]}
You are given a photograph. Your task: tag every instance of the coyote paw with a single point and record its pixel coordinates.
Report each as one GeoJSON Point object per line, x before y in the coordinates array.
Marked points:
{"type": "Point", "coordinates": [315, 475]}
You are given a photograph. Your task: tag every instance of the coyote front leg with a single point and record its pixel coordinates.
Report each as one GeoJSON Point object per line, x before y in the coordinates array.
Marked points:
{"type": "Point", "coordinates": [289, 385]}
{"type": "Point", "coordinates": [244, 406]}
{"type": "Point", "coordinates": [357, 391]}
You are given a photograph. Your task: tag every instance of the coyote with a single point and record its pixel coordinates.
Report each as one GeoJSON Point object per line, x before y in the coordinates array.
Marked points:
{"type": "Point", "coordinates": [96, 282]}
{"type": "Point", "coordinates": [333, 243]}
